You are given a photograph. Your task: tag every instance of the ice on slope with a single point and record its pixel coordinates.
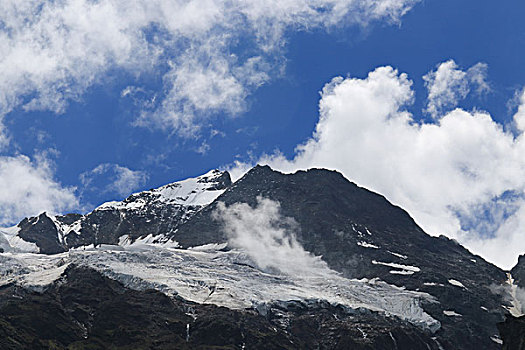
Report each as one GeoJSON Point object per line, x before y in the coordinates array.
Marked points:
{"type": "Point", "coordinates": [367, 245]}
{"type": "Point", "coordinates": [451, 313]}
{"type": "Point", "coordinates": [208, 275]}
{"type": "Point", "coordinates": [10, 242]}
{"type": "Point", "coordinates": [496, 339]}
{"type": "Point", "coordinates": [400, 256]}
{"type": "Point", "coordinates": [158, 240]}
{"type": "Point", "coordinates": [64, 229]}
{"type": "Point", "coordinates": [31, 270]}
{"type": "Point", "coordinates": [516, 309]}
{"type": "Point", "coordinates": [198, 191]}
{"type": "Point", "coordinates": [456, 283]}
{"type": "Point", "coordinates": [403, 269]}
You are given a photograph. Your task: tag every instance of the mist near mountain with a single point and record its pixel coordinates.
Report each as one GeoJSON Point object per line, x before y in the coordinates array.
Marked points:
{"type": "Point", "coordinates": [268, 238]}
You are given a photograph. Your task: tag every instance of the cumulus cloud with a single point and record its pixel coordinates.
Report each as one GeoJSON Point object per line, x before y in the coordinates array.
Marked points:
{"type": "Point", "coordinates": [460, 175]}
{"type": "Point", "coordinates": [28, 188]}
{"type": "Point", "coordinates": [268, 238]}
{"type": "Point", "coordinates": [448, 85]}
{"type": "Point", "coordinates": [123, 180]}
{"type": "Point", "coordinates": [51, 52]}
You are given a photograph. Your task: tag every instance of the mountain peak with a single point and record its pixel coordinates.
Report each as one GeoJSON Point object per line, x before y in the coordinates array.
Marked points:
{"type": "Point", "coordinates": [200, 190]}
{"type": "Point", "coordinates": [150, 214]}
{"type": "Point", "coordinates": [362, 239]}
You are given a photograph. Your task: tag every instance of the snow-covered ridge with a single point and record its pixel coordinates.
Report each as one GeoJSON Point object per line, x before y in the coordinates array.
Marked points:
{"type": "Point", "coordinates": [64, 229]}
{"type": "Point", "coordinates": [198, 191]}
{"type": "Point", "coordinates": [158, 211]}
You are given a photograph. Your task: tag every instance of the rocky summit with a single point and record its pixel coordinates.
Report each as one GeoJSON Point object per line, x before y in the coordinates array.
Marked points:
{"type": "Point", "coordinates": [307, 260]}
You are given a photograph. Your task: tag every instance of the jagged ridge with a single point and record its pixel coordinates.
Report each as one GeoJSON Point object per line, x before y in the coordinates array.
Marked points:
{"type": "Point", "coordinates": [357, 232]}
{"type": "Point", "coordinates": [153, 214]}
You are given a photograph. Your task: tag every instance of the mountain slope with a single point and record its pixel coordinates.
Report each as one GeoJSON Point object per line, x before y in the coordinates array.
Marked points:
{"type": "Point", "coordinates": [356, 252]}
{"type": "Point", "coordinates": [362, 235]}
{"type": "Point", "coordinates": [87, 310]}
{"type": "Point", "coordinates": [151, 214]}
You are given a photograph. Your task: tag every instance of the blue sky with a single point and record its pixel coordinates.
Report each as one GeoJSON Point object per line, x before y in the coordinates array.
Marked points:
{"type": "Point", "coordinates": [200, 84]}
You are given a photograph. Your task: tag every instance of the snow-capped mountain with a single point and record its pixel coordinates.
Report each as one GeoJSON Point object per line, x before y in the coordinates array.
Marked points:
{"type": "Point", "coordinates": [149, 215]}
{"type": "Point", "coordinates": [305, 260]}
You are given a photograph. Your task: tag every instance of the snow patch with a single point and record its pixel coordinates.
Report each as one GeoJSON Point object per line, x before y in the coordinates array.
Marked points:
{"type": "Point", "coordinates": [367, 245]}
{"type": "Point", "coordinates": [401, 256]}
{"type": "Point", "coordinates": [404, 269]}
{"type": "Point", "coordinates": [124, 241]}
{"type": "Point", "coordinates": [456, 283]}
{"type": "Point", "coordinates": [209, 247]}
{"type": "Point", "coordinates": [23, 246]}
{"type": "Point", "coordinates": [451, 313]}
{"type": "Point", "coordinates": [433, 284]}
{"type": "Point", "coordinates": [401, 272]}
{"type": "Point", "coordinates": [38, 280]}
{"type": "Point", "coordinates": [33, 271]}
{"type": "Point", "coordinates": [10, 231]}
{"type": "Point", "coordinates": [496, 340]}
{"type": "Point", "coordinates": [65, 229]}
{"type": "Point", "coordinates": [149, 240]}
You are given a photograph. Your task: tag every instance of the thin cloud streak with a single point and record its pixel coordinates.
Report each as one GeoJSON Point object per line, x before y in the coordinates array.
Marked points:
{"type": "Point", "coordinates": [52, 52]}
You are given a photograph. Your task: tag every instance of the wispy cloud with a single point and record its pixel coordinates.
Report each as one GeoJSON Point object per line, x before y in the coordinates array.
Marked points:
{"type": "Point", "coordinates": [122, 180]}
{"type": "Point", "coordinates": [448, 85]}
{"type": "Point", "coordinates": [51, 52]}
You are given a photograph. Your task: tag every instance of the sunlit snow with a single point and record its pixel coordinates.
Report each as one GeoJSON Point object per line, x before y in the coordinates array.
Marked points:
{"type": "Point", "coordinates": [210, 275]}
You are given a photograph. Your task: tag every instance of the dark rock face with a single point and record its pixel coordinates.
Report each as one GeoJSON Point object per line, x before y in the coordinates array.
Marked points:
{"type": "Point", "coordinates": [84, 310]}
{"type": "Point", "coordinates": [518, 271]}
{"type": "Point", "coordinates": [512, 333]}
{"type": "Point", "coordinates": [319, 325]}
{"type": "Point", "coordinates": [335, 216]}
{"type": "Point", "coordinates": [357, 232]}
{"type": "Point", "coordinates": [42, 231]}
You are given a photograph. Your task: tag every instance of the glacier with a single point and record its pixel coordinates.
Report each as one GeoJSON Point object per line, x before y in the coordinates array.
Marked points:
{"type": "Point", "coordinates": [212, 275]}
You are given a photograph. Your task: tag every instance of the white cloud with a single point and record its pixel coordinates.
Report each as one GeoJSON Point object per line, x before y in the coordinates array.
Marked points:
{"type": "Point", "coordinates": [4, 136]}
{"type": "Point", "coordinates": [29, 188]}
{"type": "Point", "coordinates": [448, 85]}
{"type": "Point", "coordinates": [519, 117]}
{"type": "Point", "coordinates": [124, 180]}
{"type": "Point", "coordinates": [461, 175]}
{"type": "Point", "coordinates": [203, 148]}
{"type": "Point", "coordinates": [268, 238]}
{"type": "Point", "coordinates": [51, 52]}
